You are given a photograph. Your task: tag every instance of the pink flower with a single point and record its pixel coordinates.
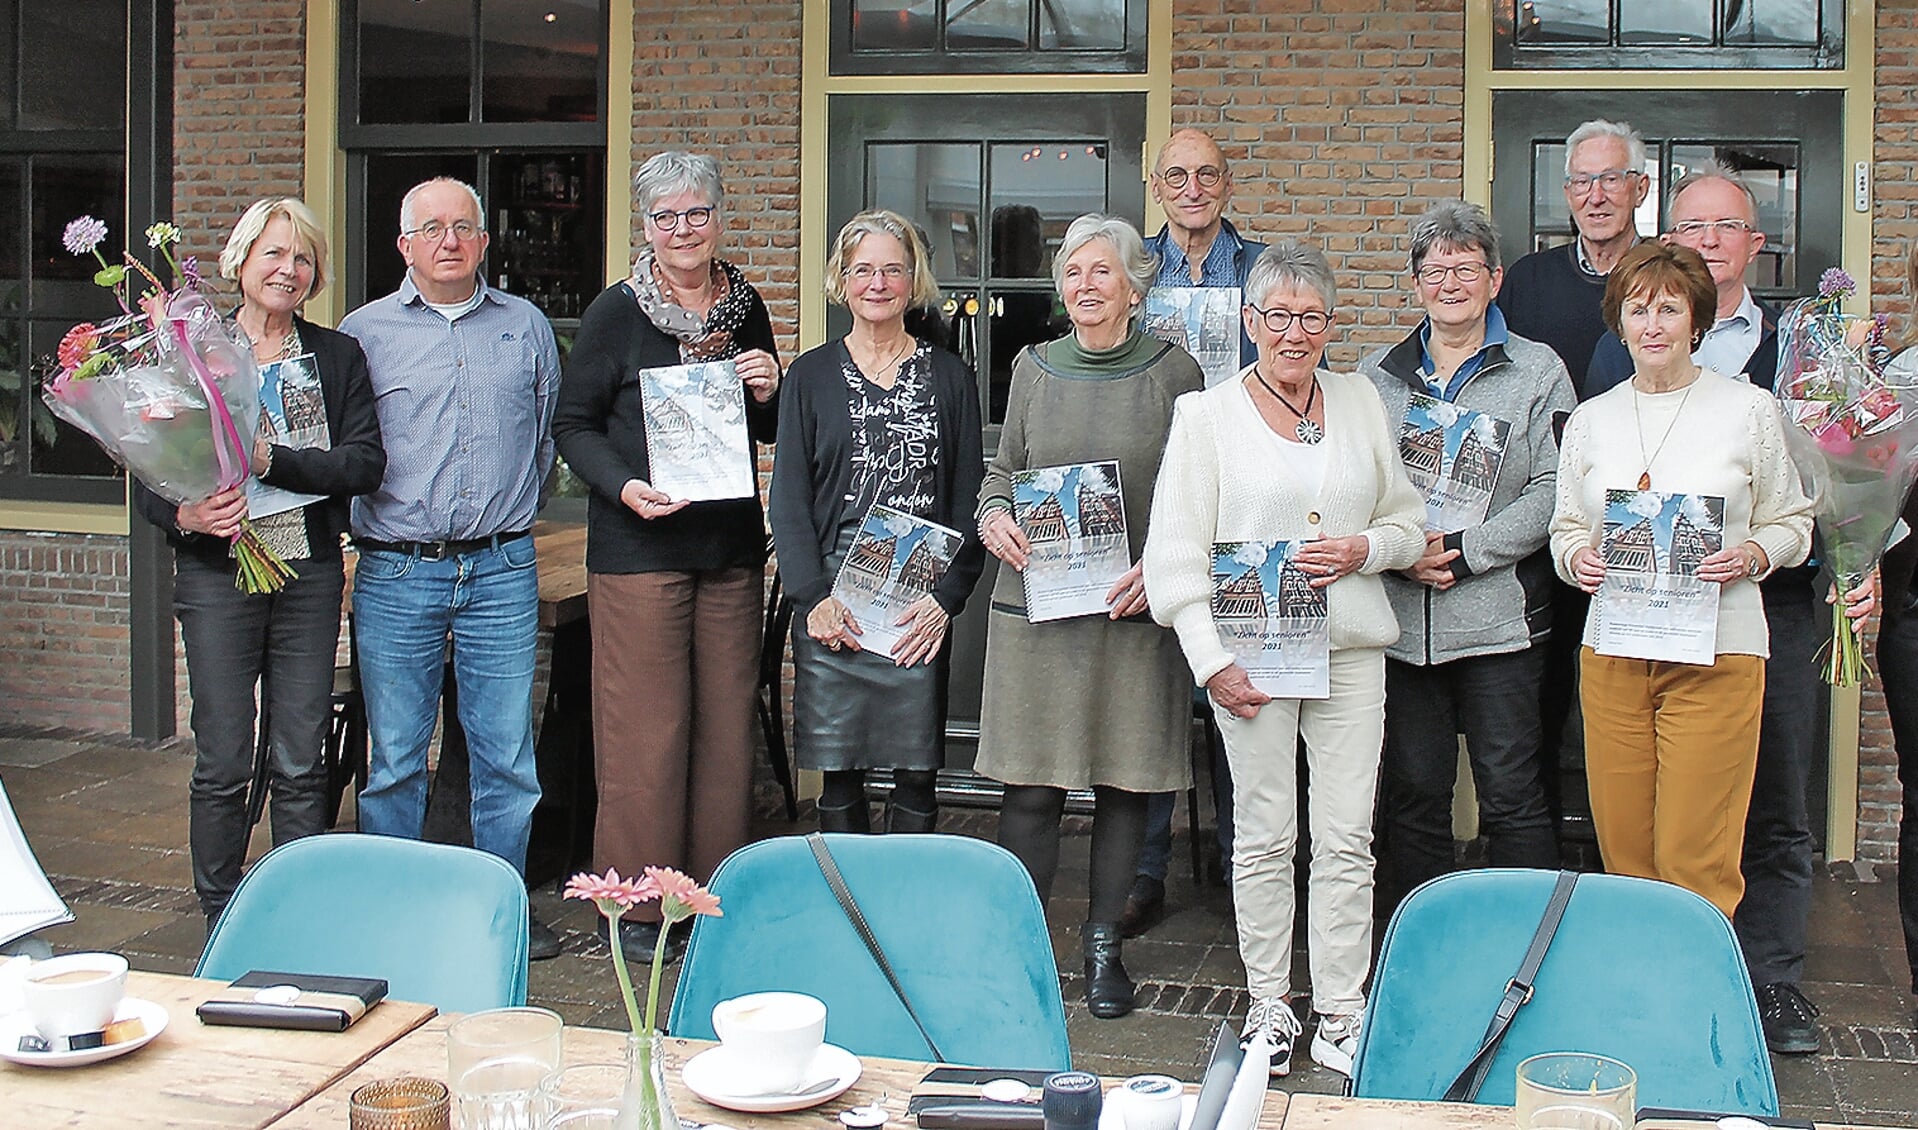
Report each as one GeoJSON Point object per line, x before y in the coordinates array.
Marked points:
{"type": "Point", "coordinates": [623, 894]}
{"type": "Point", "coordinates": [1834, 439]}
{"type": "Point", "coordinates": [77, 345]}
{"type": "Point", "coordinates": [682, 897]}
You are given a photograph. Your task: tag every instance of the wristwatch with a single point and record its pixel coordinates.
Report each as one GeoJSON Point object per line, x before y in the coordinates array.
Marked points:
{"type": "Point", "coordinates": [1752, 564]}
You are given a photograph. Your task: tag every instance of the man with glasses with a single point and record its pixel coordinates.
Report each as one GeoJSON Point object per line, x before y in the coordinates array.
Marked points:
{"type": "Point", "coordinates": [1198, 246]}
{"type": "Point", "coordinates": [1714, 213]}
{"type": "Point", "coordinates": [466, 378]}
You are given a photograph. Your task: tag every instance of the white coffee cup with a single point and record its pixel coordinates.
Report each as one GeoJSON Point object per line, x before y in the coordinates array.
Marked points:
{"type": "Point", "coordinates": [771, 1039]}
{"type": "Point", "coordinates": [1151, 1102]}
{"type": "Point", "coordinates": [66, 996]}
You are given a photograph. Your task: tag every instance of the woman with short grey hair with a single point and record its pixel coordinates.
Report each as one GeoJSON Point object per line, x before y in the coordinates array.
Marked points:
{"type": "Point", "coordinates": [1051, 720]}
{"type": "Point", "coordinates": [1291, 452]}
{"type": "Point", "coordinates": [1474, 610]}
{"type": "Point", "coordinates": [674, 587]}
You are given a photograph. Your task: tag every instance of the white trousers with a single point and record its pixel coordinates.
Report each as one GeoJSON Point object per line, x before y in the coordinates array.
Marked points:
{"type": "Point", "coordinates": [1343, 735]}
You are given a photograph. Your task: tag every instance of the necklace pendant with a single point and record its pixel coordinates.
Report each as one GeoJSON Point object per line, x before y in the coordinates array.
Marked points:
{"type": "Point", "coordinates": [1645, 480]}
{"type": "Point", "coordinates": [1308, 431]}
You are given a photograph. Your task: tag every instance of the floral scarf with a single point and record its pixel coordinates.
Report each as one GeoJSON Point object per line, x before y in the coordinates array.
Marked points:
{"type": "Point", "coordinates": [708, 338]}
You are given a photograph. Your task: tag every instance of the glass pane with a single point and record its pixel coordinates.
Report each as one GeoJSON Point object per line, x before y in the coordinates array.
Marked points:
{"type": "Point", "coordinates": [62, 288]}
{"type": "Point", "coordinates": [1768, 22]}
{"type": "Point", "coordinates": [1036, 191]}
{"type": "Point", "coordinates": [1771, 171]}
{"type": "Point", "coordinates": [895, 25]}
{"type": "Point", "coordinates": [937, 187]}
{"type": "Point", "coordinates": [548, 212]}
{"type": "Point", "coordinates": [58, 448]}
{"type": "Point", "coordinates": [539, 60]}
{"type": "Point", "coordinates": [1019, 319]}
{"type": "Point", "coordinates": [65, 85]}
{"type": "Point", "coordinates": [1563, 21]}
{"type": "Point", "coordinates": [1664, 21]}
{"type": "Point", "coordinates": [416, 60]}
{"type": "Point", "coordinates": [1552, 213]}
{"type": "Point", "coordinates": [9, 60]}
{"type": "Point", "coordinates": [388, 177]}
{"type": "Point", "coordinates": [1082, 25]}
{"type": "Point", "coordinates": [988, 25]}
{"type": "Point", "coordinates": [16, 391]}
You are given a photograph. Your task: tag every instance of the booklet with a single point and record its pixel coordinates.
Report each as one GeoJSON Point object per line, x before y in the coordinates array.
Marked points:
{"type": "Point", "coordinates": [1651, 604]}
{"type": "Point", "coordinates": [1452, 455]}
{"type": "Point", "coordinates": [292, 414]}
{"type": "Point", "coordinates": [27, 900]}
{"type": "Point", "coordinates": [1271, 618]}
{"type": "Point", "coordinates": [894, 560]}
{"type": "Point", "coordinates": [1202, 320]}
{"type": "Point", "coordinates": [1074, 516]}
{"type": "Point", "coordinates": [696, 439]}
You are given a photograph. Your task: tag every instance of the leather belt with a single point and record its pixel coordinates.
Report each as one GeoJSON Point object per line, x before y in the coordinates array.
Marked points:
{"type": "Point", "coordinates": [440, 550]}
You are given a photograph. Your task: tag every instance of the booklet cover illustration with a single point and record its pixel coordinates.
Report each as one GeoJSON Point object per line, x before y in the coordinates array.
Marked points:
{"type": "Point", "coordinates": [1074, 517]}
{"type": "Point", "coordinates": [1270, 617]}
{"type": "Point", "coordinates": [894, 560]}
{"type": "Point", "coordinates": [1202, 320]}
{"type": "Point", "coordinates": [1452, 455]}
{"type": "Point", "coordinates": [1652, 604]}
{"type": "Point", "coordinates": [696, 440]}
{"type": "Point", "coordinates": [292, 414]}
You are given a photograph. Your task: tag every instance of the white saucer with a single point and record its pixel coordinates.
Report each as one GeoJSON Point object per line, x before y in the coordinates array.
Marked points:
{"type": "Point", "coordinates": [709, 1075]}
{"type": "Point", "coordinates": [153, 1016]}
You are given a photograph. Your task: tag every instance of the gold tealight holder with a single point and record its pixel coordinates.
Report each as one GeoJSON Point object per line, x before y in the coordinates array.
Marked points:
{"type": "Point", "coordinates": [406, 1103]}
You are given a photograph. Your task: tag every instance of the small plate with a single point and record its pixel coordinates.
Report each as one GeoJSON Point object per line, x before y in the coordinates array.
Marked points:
{"type": "Point", "coordinates": [708, 1075]}
{"type": "Point", "coordinates": [153, 1016]}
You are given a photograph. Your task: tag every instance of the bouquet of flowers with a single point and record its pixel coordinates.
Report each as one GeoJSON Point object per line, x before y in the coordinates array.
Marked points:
{"type": "Point", "coordinates": [165, 388]}
{"type": "Point", "coordinates": [1852, 427]}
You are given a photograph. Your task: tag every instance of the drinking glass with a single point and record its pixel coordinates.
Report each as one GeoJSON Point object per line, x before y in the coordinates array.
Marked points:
{"type": "Point", "coordinates": [589, 1096]}
{"type": "Point", "coordinates": [495, 1061]}
{"type": "Point", "coordinates": [406, 1103]}
{"type": "Point", "coordinates": [1575, 1091]}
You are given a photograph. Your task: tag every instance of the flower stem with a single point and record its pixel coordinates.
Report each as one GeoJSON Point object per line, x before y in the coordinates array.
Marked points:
{"type": "Point", "coordinates": [659, 962]}
{"type": "Point", "coordinates": [625, 978]}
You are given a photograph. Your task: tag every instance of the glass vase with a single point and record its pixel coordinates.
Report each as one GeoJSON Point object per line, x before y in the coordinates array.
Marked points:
{"type": "Point", "coordinates": [648, 1104]}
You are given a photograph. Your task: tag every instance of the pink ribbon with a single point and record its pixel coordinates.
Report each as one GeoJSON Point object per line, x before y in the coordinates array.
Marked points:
{"type": "Point", "coordinates": [226, 436]}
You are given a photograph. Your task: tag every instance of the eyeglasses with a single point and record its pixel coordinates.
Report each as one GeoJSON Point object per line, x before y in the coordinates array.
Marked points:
{"type": "Point", "coordinates": [1467, 273]}
{"type": "Point", "coordinates": [434, 231]}
{"type": "Point", "coordinates": [1279, 320]}
{"type": "Point", "coordinates": [1725, 228]}
{"type": "Point", "coordinates": [1208, 176]}
{"type": "Point", "coordinates": [668, 220]}
{"type": "Point", "coordinates": [865, 272]}
{"type": "Point", "coordinates": [1611, 180]}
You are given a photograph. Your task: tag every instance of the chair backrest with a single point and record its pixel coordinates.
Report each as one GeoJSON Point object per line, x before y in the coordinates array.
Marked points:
{"type": "Point", "coordinates": [958, 919]}
{"type": "Point", "coordinates": [443, 925]}
{"type": "Point", "coordinates": [1644, 972]}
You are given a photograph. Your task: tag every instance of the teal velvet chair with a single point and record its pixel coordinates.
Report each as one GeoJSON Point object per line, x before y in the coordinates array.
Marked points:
{"type": "Point", "coordinates": [442, 925]}
{"type": "Point", "coordinates": [1644, 972]}
{"type": "Point", "coordinates": [958, 918]}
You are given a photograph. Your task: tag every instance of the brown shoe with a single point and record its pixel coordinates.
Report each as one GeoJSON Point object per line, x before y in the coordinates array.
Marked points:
{"type": "Point", "coordinates": [1144, 906]}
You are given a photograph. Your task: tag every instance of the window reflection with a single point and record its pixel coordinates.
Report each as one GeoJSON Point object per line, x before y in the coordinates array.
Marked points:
{"type": "Point", "coordinates": [415, 60]}
{"type": "Point", "coordinates": [988, 25]}
{"type": "Point", "coordinates": [1082, 25]}
{"type": "Point", "coordinates": [1771, 172]}
{"type": "Point", "coordinates": [938, 187]}
{"type": "Point", "coordinates": [64, 44]}
{"type": "Point", "coordinates": [540, 60]}
{"type": "Point", "coordinates": [1038, 189]}
{"type": "Point", "coordinates": [895, 25]}
{"type": "Point", "coordinates": [1552, 216]}
{"type": "Point", "coordinates": [1771, 22]}
{"type": "Point", "coordinates": [1564, 21]}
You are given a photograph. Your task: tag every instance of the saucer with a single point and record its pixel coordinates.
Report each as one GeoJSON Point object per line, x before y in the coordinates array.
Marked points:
{"type": "Point", "coordinates": [153, 1016]}
{"type": "Point", "coordinates": [708, 1075]}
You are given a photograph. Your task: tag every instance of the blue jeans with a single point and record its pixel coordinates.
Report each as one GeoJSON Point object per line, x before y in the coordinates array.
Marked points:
{"type": "Point", "coordinates": [404, 607]}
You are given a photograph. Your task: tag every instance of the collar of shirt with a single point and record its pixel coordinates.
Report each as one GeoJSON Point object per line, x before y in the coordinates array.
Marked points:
{"type": "Point", "coordinates": [1731, 341]}
{"type": "Point", "coordinates": [1495, 335]}
{"type": "Point", "coordinates": [1221, 266]}
{"type": "Point", "coordinates": [409, 295]}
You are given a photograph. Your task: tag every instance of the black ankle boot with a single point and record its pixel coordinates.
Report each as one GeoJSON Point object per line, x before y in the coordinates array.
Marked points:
{"type": "Point", "coordinates": [851, 818]}
{"type": "Point", "coordinates": [1109, 990]}
{"type": "Point", "coordinates": [900, 819]}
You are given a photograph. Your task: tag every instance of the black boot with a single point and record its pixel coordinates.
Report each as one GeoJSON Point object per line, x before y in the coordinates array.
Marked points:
{"type": "Point", "coordinates": [901, 819]}
{"type": "Point", "coordinates": [851, 818]}
{"type": "Point", "coordinates": [1109, 990]}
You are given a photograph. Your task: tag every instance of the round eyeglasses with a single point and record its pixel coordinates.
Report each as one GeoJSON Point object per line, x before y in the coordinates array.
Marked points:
{"type": "Point", "coordinates": [1279, 319]}
{"type": "Point", "coordinates": [866, 272]}
{"type": "Point", "coordinates": [1208, 176]}
{"type": "Point", "coordinates": [1611, 180]}
{"type": "Point", "coordinates": [668, 220]}
{"type": "Point", "coordinates": [1726, 229]}
{"type": "Point", "coordinates": [433, 231]}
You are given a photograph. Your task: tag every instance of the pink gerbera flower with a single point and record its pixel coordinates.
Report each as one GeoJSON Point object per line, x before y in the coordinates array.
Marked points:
{"type": "Point", "coordinates": [681, 896]}
{"type": "Point", "coordinates": [602, 889]}
{"type": "Point", "coordinates": [77, 345]}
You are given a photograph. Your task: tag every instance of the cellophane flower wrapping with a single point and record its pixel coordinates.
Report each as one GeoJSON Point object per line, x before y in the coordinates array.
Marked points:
{"type": "Point", "coordinates": [1852, 426]}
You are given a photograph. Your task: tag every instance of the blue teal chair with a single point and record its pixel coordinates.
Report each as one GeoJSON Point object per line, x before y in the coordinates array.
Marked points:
{"type": "Point", "coordinates": [443, 925]}
{"type": "Point", "coordinates": [958, 918]}
{"type": "Point", "coordinates": [1644, 972]}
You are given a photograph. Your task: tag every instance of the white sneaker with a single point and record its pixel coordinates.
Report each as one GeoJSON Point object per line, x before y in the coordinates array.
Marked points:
{"type": "Point", "coordinates": [1336, 1041]}
{"type": "Point", "coordinates": [1275, 1020]}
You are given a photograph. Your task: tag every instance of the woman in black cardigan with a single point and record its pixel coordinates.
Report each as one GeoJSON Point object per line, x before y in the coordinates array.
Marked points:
{"type": "Point", "coordinates": [673, 588]}
{"type": "Point", "coordinates": [319, 446]}
{"type": "Point", "coordinates": [875, 418]}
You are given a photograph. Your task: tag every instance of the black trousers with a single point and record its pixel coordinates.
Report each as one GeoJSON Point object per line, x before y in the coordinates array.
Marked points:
{"type": "Point", "coordinates": [1777, 864]}
{"type": "Point", "coordinates": [1494, 701]}
{"type": "Point", "coordinates": [232, 641]}
{"type": "Point", "coordinates": [1898, 668]}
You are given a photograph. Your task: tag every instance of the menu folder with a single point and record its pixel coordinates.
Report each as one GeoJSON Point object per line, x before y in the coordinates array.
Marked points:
{"type": "Point", "coordinates": [307, 1002]}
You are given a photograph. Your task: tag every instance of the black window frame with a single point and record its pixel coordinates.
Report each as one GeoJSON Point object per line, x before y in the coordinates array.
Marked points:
{"type": "Point", "coordinates": [843, 59]}
{"type": "Point", "coordinates": [1827, 54]}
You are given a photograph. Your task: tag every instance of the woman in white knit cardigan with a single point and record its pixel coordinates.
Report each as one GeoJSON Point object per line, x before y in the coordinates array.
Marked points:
{"type": "Point", "coordinates": [1291, 451]}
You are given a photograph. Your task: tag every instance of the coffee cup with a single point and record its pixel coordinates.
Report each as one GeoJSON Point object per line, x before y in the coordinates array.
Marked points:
{"type": "Point", "coordinates": [66, 996]}
{"type": "Point", "coordinates": [1151, 1102]}
{"type": "Point", "coordinates": [770, 1040]}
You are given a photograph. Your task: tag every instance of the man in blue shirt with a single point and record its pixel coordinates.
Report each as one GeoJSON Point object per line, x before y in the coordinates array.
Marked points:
{"type": "Point", "coordinates": [466, 378]}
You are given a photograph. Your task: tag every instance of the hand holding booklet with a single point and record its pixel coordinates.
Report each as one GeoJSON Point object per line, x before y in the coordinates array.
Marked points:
{"type": "Point", "coordinates": [1652, 604]}
{"type": "Point", "coordinates": [895, 559]}
{"type": "Point", "coordinates": [1073, 517]}
{"type": "Point", "coordinates": [1271, 619]}
{"type": "Point", "coordinates": [696, 440]}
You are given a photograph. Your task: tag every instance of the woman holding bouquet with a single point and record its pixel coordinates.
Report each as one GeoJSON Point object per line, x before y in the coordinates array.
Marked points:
{"type": "Point", "coordinates": [319, 446]}
{"type": "Point", "coordinates": [1671, 747]}
{"type": "Point", "coordinates": [877, 418]}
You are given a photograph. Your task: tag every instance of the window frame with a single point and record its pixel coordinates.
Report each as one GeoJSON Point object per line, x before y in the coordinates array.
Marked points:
{"type": "Point", "coordinates": [843, 59]}
{"type": "Point", "coordinates": [1828, 54]}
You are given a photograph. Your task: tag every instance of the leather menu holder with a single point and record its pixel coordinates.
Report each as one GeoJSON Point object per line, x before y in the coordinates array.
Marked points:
{"type": "Point", "coordinates": [309, 1002]}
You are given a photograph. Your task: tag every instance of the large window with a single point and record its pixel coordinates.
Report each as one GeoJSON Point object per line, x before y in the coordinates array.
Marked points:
{"type": "Point", "coordinates": [1662, 34]}
{"type": "Point", "coordinates": [981, 36]}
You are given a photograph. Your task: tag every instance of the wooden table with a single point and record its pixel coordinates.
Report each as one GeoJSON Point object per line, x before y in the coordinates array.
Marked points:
{"type": "Point", "coordinates": [1335, 1112]}
{"type": "Point", "coordinates": [195, 1075]}
{"type": "Point", "coordinates": [888, 1082]}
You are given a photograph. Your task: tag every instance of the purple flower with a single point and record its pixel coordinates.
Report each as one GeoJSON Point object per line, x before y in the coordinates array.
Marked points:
{"type": "Point", "coordinates": [190, 272]}
{"type": "Point", "coordinates": [83, 235]}
{"type": "Point", "coordinates": [1835, 282]}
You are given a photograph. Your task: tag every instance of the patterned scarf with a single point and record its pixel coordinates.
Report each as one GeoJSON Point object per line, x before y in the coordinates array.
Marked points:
{"type": "Point", "coordinates": [708, 338]}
